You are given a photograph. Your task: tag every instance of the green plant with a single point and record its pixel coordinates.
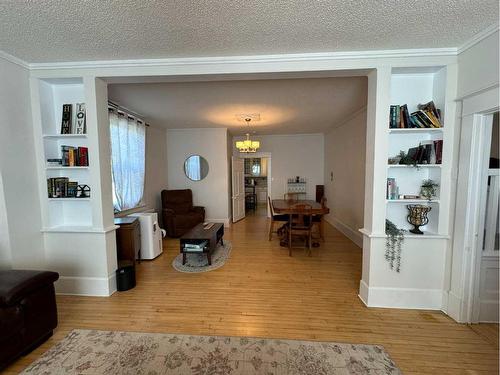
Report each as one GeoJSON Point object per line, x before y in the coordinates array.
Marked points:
{"type": "Point", "coordinates": [406, 160]}
{"type": "Point", "coordinates": [428, 189]}
{"type": "Point", "coordinates": [393, 245]}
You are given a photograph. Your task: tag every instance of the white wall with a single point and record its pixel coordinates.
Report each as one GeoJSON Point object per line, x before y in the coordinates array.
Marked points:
{"type": "Point", "coordinates": [293, 155]}
{"type": "Point", "coordinates": [345, 158]}
{"type": "Point", "coordinates": [5, 255]}
{"type": "Point", "coordinates": [478, 66]}
{"type": "Point", "coordinates": [212, 191]}
{"type": "Point", "coordinates": [18, 169]}
{"type": "Point", "coordinates": [156, 167]}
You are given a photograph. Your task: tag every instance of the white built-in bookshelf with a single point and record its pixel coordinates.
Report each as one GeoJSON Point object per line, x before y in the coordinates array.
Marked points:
{"type": "Point", "coordinates": [61, 214]}
{"type": "Point", "coordinates": [413, 87]}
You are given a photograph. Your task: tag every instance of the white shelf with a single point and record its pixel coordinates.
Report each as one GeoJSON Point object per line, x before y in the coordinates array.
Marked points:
{"type": "Point", "coordinates": [426, 235]}
{"type": "Point", "coordinates": [412, 201]}
{"type": "Point", "coordinates": [75, 167]}
{"type": "Point", "coordinates": [412, 166]}
{"type": "Point", "coordinates": [65, 136]}
{"type": "Point", "coordinates": [78, 229]}
{"type": "Point", "coordinates": [414, 130]}
{"type": "Point", "coordinates": [68, 199]}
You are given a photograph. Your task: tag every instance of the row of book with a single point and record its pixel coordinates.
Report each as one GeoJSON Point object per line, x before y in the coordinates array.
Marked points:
{"type": "Point", "coordinates": [427, 116]}
{"type": "Point", "coordinates": [62, 187]}
{"type": "Point", "coordinates": [427, 152]}
{"type": "Point", "coordinates": [71, 157]}
{"type": "Point", "coordinates": [392, 191]}
{"type": "Point", "coordinates": [73, 121]}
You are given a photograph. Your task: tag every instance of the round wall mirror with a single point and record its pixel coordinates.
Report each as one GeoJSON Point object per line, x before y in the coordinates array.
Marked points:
{"type": "Point", "coordinates": [196, 167]}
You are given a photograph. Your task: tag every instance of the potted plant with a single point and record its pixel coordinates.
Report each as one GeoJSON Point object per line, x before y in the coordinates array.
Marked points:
{"type": "Point", "coordinates": [428, 189]}
{"type": "Point", "coordinates": [393, 245]}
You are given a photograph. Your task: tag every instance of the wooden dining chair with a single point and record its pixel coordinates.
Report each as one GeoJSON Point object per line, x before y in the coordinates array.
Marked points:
{"type": "Point", "coordinates": [300, 224]}
{"type": "Point", "coordinates": [291, 196]}
{"type": "Point", "coordinates": [274, 219]}
{"type": "Point", "coordinates": [319, 221]}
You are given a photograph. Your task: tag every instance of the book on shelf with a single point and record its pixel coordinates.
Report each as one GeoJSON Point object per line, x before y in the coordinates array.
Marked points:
{"type": "Point", "coordinates": [54, 162]}
{"type": "Point", "coordinates": [392, 189]}
{"type": "Point", "coordinates": [62, 187]}
{"type": "Point", "coordinates": [66, 119]}
{"type": "Point", "coordinates": [438, 147]}
{"type": "Point", "coordinates": [74, 156]}
{"type": "Point", "coordinates": [426, 116]}
{"type": "Point", "coordinates": [427, 152]}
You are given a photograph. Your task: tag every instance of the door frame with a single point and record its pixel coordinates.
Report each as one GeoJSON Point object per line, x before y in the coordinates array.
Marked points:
{"type": "Point", "coordinates": [466, 258]}
{"type": "Point", "coordinates": [269, 172]}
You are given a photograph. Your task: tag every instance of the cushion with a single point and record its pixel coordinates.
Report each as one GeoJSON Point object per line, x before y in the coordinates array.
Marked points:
{"type": "Point", "coordinates": [16, 284]}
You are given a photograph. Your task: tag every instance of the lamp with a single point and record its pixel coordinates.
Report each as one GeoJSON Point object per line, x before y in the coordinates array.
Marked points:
{"type": "Point", "coordinates": [247, 146]}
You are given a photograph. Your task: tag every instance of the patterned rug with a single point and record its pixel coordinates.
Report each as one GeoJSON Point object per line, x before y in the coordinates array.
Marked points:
{"type": "Point", "coordinates": [113, 352]}
{"type": "Point", "coordinates": [199, 263]}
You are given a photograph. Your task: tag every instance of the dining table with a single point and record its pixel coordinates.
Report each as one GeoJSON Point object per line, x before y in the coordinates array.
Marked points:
{"type": "Point", "coordinates": [294, 207]}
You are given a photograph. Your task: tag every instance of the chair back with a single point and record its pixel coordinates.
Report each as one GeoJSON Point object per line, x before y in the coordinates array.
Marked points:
{"type": "Point", "coordinates": [271, 209]}
{"type": "Point", "coordinates": [291, 196]}
{"type": "Point", "coordinates": [181, 201]}
{"type": "Point", "coordinates": [303, 215]}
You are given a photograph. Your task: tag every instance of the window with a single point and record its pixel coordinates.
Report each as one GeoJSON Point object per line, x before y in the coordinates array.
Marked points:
{"type": "Point", "coordinates": [128, 146]}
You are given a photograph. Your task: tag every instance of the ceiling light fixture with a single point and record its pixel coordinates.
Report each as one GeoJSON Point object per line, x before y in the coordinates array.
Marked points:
{"type": "Point", "coordinates": [247, 146]}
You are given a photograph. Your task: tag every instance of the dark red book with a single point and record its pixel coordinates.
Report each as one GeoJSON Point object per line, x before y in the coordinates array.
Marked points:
{"type": "Point", "coordinates": [438, 148]}
{"type": "Point", "coordinates": [83, 156]}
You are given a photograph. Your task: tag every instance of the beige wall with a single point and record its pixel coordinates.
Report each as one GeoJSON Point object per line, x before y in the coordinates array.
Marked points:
{"type": "Point", "coordinates": [212, 191]}
{"type": "Point", "coordinates": [345, 159]}
{"type": "Point", "coordinates": [293, 155]}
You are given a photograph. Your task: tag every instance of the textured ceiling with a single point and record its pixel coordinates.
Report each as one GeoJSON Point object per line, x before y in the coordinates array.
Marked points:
{"type": "Point", "coordinates": [285, 106]}
{"type": "Point", "coordinates": [76, 30]}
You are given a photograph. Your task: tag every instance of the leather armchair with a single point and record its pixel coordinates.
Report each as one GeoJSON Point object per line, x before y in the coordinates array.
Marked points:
{"type": "Point", "coordinates": [28, 312]}
{"type": "Point", "coordinates": [178, 213]}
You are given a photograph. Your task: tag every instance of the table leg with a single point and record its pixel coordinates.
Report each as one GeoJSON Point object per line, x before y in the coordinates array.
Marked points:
{"type": "Point", "coordinates": [209, 257]}
{"type": "Point", "coordinates": [183, 258]}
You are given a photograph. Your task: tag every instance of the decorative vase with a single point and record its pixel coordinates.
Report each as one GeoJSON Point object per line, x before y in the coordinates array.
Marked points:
{"type": "Point", "coordinates": [417, 217]}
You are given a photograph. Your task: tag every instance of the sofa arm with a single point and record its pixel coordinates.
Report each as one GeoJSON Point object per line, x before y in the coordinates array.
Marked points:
{"type": "Point", "coordinates": [200, 210]}
{"type": "Point", "coordinates": [168, 212]}
{"type": "Point", "coordinates": [16, 284]}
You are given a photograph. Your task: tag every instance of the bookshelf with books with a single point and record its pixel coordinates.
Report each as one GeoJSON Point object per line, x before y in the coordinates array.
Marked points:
{"type": "Point", "coordinates": [417, 137]}
{"type": "Point", "coordinates": [64, 154]}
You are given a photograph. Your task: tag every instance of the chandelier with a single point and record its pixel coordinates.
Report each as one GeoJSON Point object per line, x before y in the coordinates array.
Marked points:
{"type": "Point", "coordinates": [247, 146]}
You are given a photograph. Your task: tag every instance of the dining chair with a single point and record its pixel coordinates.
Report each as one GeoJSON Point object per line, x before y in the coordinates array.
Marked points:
{"type": "Point", "coordinates": [291, 196]}
{"type": "Point", "coordinates": [274, 218]}
{"type": "Point", "coordinates": [300, 224]}
{"type": "Point", "coordinates": [319, 222]}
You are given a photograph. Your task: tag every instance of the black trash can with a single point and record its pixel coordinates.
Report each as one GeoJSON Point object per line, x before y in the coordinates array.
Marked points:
{"type": "Point", "coordinates": [125, 276]}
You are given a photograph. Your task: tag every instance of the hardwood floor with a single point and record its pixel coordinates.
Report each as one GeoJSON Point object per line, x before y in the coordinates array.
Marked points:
{"type": "Point", "coordinates": [263, 292]}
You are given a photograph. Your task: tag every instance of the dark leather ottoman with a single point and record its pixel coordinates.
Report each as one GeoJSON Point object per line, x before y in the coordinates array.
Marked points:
{"type": "Point", "coordinates": [28, 311]}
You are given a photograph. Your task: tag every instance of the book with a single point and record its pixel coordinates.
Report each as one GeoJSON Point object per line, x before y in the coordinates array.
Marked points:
{"type": "Point", "coordinates": [392, 117]}
{"type": "Point", "coordinates": [71, 156]}
{"type": "Point", "coordinates": [406, 116]}
{"type": "Point", "coordinates": [66, 119]}
{"type": "Point", "coordinates": [72, 187]}
{"type": "Point", "coordinates": [80, 118]}
{"type": "Point", "coordinates": [431, 108]}
{"type": "Point", "coordinates": [83, 156]}
{"type": "Point", "coordinates": [438, 148]}
{"type": "Point", "coordinates": [392, 190]}
{"type": "Point", "coordinates": [398, 116]}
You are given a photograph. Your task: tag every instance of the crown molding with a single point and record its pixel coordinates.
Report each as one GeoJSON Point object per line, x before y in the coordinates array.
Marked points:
{"type": "Point", "coordinates": [327, 56]}
{"type": "Point", "coordinates": [479, 37]}
{"type": "Point", "coordinates": [14, 60]}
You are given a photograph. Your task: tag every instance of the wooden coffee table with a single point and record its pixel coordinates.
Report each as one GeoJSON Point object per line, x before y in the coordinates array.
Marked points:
{"type": "Point", "coordinates": [198, 235]}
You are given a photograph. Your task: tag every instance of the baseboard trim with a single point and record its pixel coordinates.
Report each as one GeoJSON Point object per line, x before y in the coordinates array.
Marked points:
{"type": "Point", "coordinates": [401, 298]}
{"type": "Point", "coordinates": [352, 234]}
{"type": "Point", "coordinates": [86, 286]}
{"type": "Point", "coordinates": [454, 307]}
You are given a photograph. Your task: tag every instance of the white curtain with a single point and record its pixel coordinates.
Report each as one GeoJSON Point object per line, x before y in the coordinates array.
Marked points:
{"type": "Point", "coordinates": [128, 146]}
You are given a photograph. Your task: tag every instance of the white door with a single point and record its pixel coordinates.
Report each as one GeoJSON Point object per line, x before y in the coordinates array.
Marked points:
{"type": "Point", "coordinates": [238, 192]}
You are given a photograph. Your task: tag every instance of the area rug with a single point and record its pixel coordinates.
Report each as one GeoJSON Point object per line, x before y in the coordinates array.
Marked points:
{"type": "Point", "coordinates": [198, 262]}
{"type": "Point", "coordinates": [113, 352]}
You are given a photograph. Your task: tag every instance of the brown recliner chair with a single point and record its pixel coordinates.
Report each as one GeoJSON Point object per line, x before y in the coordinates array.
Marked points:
{"type": "Point", "coordinates": [28, 311]}
{"type": "Point", "coordinates": [179, 214]}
